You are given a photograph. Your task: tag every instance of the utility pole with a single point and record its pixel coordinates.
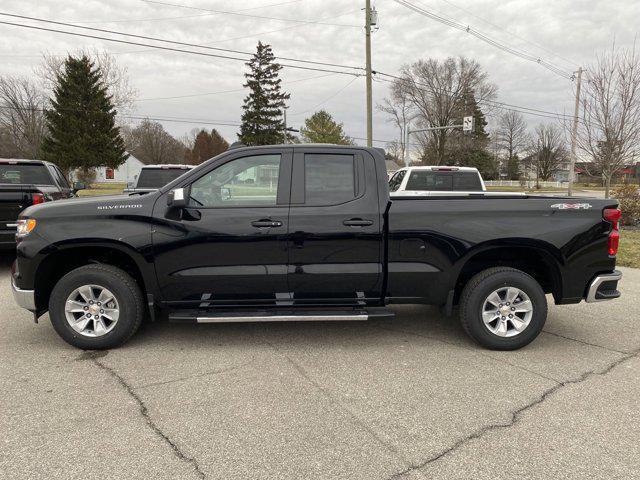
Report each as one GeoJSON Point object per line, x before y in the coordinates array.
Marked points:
{"type": "Point", "coordinates": [367, 14]}
{"type": "Point", "coordinates": [284, 115]}
{"type": "Point", "coordinates": [574, 135]}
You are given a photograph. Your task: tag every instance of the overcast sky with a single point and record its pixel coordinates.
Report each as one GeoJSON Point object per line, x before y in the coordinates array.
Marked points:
{"type": "Point", "coordinates": [567, 33]}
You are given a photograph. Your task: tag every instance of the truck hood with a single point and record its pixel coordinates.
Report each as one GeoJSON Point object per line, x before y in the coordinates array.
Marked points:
{"type": "Point", "coordinates": [107, 205]}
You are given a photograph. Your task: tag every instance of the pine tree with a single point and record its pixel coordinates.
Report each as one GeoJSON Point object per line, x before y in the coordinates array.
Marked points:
{"type": "Point", "coordinates": [322, 128]}
{"type": "Point", "coordinates": [81, 125]}
{"type": "Point", "coordinates": [262, 122]}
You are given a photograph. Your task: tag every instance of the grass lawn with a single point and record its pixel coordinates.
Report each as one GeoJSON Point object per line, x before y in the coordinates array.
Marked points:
{"type": "Point", "coordinates": [97, 189]}
{"type": "Point", "coordinates": [493, 188]}
{"type": "Point", "coordinates": [629, 251]}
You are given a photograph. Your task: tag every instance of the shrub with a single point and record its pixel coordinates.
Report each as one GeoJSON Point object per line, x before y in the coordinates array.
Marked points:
{"type": "Point", "coordinates": [629, 197]}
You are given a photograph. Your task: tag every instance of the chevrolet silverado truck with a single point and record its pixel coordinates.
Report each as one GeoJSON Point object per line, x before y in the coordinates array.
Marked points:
{"type": "Point", "coordinates": [308, 233]}
{"type": "Point", "coordinates": [24, 183]}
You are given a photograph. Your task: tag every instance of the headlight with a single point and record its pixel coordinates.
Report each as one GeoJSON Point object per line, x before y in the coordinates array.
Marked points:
{"type": "Point", "coordinates": [25, 225]}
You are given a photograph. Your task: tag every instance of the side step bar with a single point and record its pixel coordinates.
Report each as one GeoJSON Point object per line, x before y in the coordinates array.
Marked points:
{"type": "Point", "coordinates": [199, 316]}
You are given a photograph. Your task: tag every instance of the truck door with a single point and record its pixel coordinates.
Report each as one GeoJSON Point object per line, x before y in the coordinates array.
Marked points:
{"type": "Point", "coordinates": [335, 232]}
{"type": "Point", "coordinates": [229, 246]}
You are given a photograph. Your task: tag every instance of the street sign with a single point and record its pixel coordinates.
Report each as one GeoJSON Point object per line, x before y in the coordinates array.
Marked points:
{"type": "Point", "coordinates": [467, 124]}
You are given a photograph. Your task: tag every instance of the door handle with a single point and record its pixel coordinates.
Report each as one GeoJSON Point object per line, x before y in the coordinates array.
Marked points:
{"type": "Point", "coordinates": [266, 223]}
{"type": "Point", "coordinates": [357, 222]}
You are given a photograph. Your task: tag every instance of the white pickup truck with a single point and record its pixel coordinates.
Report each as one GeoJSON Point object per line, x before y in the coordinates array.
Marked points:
{"type": "Point", "coordinates": [438, 180]}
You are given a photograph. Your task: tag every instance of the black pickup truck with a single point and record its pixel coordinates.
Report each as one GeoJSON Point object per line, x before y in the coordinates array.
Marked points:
{"type": "Point", "coordinates": [24, 183]}
{"type": "Point", "coordinates": [308, 232]}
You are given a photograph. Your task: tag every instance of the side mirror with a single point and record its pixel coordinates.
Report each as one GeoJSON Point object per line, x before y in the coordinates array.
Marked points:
{"type": "Point", "coordinates": [225, 193]}
{"type": "Point", "coordinates": [177, 198]}
{"type": "Point", "coordinates": [79, 186]}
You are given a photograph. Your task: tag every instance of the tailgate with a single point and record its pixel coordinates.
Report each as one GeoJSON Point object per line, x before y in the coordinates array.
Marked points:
{"type": "Point", "coordinates": [13, 199]}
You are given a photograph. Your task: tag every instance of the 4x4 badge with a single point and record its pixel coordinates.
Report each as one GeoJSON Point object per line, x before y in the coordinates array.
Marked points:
{"type": "Point", "coordinates": [571, 206]}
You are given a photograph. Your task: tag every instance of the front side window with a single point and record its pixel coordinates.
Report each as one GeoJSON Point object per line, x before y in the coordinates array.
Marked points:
{"type": "Point", "coordinates": [329, 179]}
{"type": "Point", "coordinates": [396, 180]}
{"type": "Point", "coordinates": [243, 182]}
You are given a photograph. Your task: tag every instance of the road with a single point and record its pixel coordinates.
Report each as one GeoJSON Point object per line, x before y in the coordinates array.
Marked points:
{"type": "Point", "coordinates": [406, 398]}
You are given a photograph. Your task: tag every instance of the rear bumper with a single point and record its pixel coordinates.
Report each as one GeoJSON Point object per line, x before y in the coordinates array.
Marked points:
{"type": "Point", "coordinates": [24, 298]}
{"type": "Point", "coordinates": [604, 287]}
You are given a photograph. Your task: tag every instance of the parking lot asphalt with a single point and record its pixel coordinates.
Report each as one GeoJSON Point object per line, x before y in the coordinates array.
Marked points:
{"type": "Point", "coordinates": [406, 398]}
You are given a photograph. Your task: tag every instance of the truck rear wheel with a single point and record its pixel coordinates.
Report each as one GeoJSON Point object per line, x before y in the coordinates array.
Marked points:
{"type": "Point", "coordinates": [503, 308]}
{"type": "Point", "coordinates": [96, 307]}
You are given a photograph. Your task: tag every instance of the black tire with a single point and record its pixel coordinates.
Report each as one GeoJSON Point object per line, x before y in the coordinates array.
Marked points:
{"type": "Point", "coordinates": [124, 288]}
{"type": "Point", "coordinates": [480, 287]}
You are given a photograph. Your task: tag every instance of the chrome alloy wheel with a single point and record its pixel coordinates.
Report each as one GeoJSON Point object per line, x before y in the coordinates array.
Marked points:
{"type": "Point", "coordinates": [92, 310]}
{"type": "Point", "coordinates": [507, 311]}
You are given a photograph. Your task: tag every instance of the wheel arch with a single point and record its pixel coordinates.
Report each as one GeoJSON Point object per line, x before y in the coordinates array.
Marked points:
{"type": "Point", "coordinates": [67, 257]}
{"type": "Point", "coordinates": [537, 260]}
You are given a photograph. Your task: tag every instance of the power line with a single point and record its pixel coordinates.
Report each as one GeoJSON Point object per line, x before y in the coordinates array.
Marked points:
{"type": "Point", "coordinates": [333, 95]}
{"type": "Point", "coordinates": [485, 38]}
{"type": "Point", "coordinates": [131, 20]}
{"type": "Point", "coordinates": [228, 123]}
{"type": "Point", "coordinates": [229, 91]}
{"type": "Point", "coordinates": [490, 103]}
{"type": "Point", "coordinates": [186, 44]}
{"type": "Point", "coordinates": [240, 14]}
{"type": "Point", "coordinates": [542, 47]}
{"type": "Point", "coordinates": [171, 49]}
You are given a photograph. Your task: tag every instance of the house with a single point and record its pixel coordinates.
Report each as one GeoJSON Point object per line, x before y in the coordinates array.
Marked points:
{"type": "Point", "coordinates": [125, 173]}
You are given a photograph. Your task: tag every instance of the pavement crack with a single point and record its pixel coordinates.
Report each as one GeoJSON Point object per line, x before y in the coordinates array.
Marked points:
{"type": "Point", "coordinates": [197, 375]}
{"type": "Point", "coordinates": [583, 342]}
{"type": "Point", "coordinates": [354, 418]}
{"type": "Point", "coordinates": [516, 415]}
{"type": "Point", "coordinates": [144, 411]}
{"type": "Point", "coordinates": [474, 350]}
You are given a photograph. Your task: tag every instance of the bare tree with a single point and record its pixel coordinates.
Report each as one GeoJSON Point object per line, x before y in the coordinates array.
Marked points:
{"type": "Point", "coordinates": [152, 144]}
{"type": "Point", "coordinates": [609, 130]}
{"type": "Point", "coordinates": [22, 120]}
{"type": "Point", "coordinates": [116, 77]}
{"type": "Point", "coordinates": [549, 151]}
{"type": "Point", "coordinates": [438, 92]}
{"type": "Point", "coordinates": [511, 137]}
{"type": "Point", "coordinates": [400, 112]}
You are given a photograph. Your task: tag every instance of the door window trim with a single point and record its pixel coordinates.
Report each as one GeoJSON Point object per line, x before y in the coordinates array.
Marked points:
{"type": "Point", "coordinates": [283, 192]}
{"type": "Point", "coordinates": [298, 179]}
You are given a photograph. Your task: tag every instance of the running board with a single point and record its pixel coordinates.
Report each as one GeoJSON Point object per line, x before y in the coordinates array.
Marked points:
{"type": "Point", "coordinates": [278, 316]}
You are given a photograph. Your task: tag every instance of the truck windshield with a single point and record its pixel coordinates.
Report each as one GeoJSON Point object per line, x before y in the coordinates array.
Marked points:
{"type": "Point", "coordinates": [31, 174]}
{"type": "Point", "coordinates": [444, 181]}
{"type": "Point", "coordinates": [158, 177]}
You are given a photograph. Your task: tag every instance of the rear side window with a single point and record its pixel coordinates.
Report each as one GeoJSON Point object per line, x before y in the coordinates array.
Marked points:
{"type": "Point", "coordinates": [396, 180]}
{"type": "Point", "coordinates": [25, 174]}
{"type": "Point", "coordinates": [329, 179]}
{"type": "Point", "coordinates": [158, 177]}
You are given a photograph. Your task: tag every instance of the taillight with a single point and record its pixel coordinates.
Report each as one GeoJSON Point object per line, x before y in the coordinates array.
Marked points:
{"type": "Point", "coordinates": [37, 198]}
{"type": "Point", "coordinates": [613, 215]}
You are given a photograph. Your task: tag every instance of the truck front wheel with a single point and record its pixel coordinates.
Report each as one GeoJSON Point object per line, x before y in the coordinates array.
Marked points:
{"type": "Point", "coordinates": [503, 308]}
{"type": "Point", "coordinates": [96, 307]}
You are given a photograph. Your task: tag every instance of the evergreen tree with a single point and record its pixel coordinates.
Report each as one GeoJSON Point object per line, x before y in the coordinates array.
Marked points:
{"type": "Point", "coordinates": [262, 122]}
{"type": "Point", "coordinates": [322, 128]}
{"type": "Point", "coordinates": [513, 168]}
{"type": "Point", "coordinates": [81, 125]}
